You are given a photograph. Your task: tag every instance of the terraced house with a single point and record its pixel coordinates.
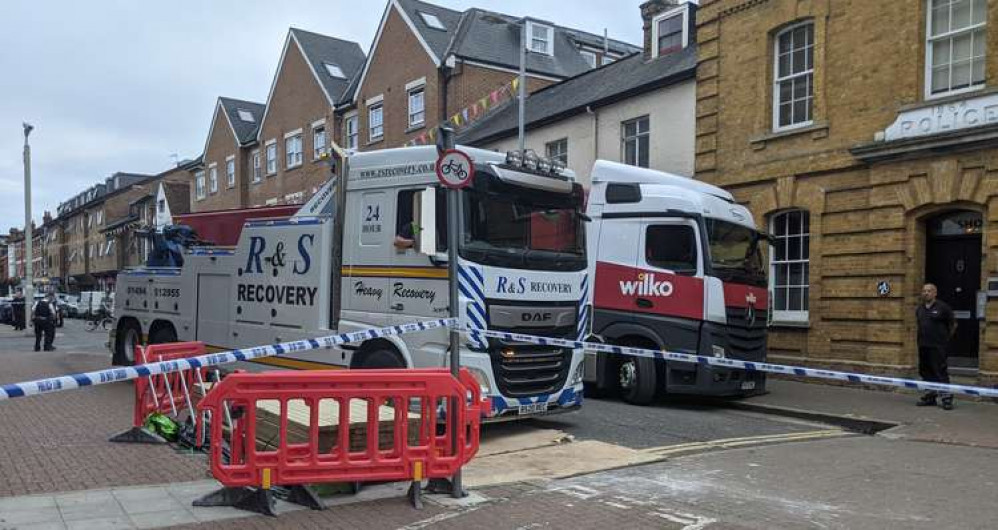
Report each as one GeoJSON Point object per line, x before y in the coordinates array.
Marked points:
{"type": "Point", "coordinates": [428, 63]}
{"type": "Point", "coordinates": [862, 136]}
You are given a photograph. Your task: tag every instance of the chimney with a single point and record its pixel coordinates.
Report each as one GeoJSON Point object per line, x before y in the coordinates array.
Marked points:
{"type": "Point", "coordinates": [47, 218]}
{"type": "Point", "coordinates": [649, 10]}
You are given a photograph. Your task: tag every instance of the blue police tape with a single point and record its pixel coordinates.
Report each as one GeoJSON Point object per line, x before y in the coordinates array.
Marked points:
{"type": "Point", "coordinates": [103, 377]}
{"type": "Point", "coordinates": [743, 365]}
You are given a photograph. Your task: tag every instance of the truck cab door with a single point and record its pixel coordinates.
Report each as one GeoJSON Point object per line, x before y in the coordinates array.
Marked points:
{"type": "Point", "coordinates": [419, 288]}
{"type": "Point", "coordinates": [670, 292]}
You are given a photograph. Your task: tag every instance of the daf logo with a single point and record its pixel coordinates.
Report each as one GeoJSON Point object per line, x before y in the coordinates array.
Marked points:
{"type": "Point", "coordinates": [536, 317]}
{"type": "Point", "coordinates": [750, 309]}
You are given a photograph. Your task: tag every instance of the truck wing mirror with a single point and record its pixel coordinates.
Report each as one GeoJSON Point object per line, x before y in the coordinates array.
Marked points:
{"type": "Point", "coordinates": [425, 213]}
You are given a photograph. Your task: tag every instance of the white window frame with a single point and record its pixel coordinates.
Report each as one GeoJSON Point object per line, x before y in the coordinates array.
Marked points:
{"type": "Point", "coordinates": [230, 171]}
{"type": "Point", "coordinates": [417, 117]}
{"type": "Point", "coordinates": [271, 160]}
{"type": "Point", "coordinates": [257, 166]}
{"type": "Point", "coordinates": [319, 148]}
{"type": "Point", "coordinates": [548, 38]}
{"type": "Point", "coordinates": [353, 137]}
{"type": "Point", "coordinates": [677, 12]}
{"type": "Point", "coordinates": [560, 156]}
{"type": "Point", "coordinates": [636, 138]}
{"type": "Point", "coordinates": [199, 185]}
{"type": "Point", "coordinates": [213, 178]}
{"type": "Point", "coordinates": [929, 39]}
{"type": "Point", "coordinates": [786, 316]}
{"type": "Point", "coordinates": [777, 79]}
{"type": "Point", "coordinates": [590, 57]}
{"type": "Point", "coordinates": [293, 149]}
{"type": "Point", "coordinates": [380, 107]}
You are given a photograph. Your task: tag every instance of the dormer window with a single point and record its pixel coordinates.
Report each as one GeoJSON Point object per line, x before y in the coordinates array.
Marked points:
{"type": "Point", "coordinates": [334, 70]}
{"type": "Point", "coordinates": [432, 21]}
{"type": "Point", "coordinates": [540, 38]}
{"type": "Point", "coordinates": [590, 58]}
{"type": "Point", "coordinates": [669, 31]}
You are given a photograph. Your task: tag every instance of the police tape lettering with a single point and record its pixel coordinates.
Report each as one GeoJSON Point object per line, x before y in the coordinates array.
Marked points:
{"type": "Point", "coordinates": [102, 377]}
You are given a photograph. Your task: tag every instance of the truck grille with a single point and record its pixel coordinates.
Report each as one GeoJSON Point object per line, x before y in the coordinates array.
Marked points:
{"type": "Point", "coordinates": [532, 370]}
{"type": "Point", "coordinates": [745, 340]}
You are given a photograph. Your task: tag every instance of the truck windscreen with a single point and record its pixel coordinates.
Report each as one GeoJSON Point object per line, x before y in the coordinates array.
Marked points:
{"type": "Point", "coordinates": [533, 230]}
{"type": "Point", "coordinates": [735, 255]}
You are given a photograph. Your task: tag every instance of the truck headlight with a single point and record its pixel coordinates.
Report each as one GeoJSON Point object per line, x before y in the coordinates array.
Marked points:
{"type": "Point", "coordinates": [718, 351]}
{"type": "Point", "coordinates": [483, 380]}
{"type": "Point", "coordinates": [577, 374]}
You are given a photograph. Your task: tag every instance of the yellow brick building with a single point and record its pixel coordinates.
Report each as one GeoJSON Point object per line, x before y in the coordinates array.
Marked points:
{"type": "Point", "coordinates": [864, 136]}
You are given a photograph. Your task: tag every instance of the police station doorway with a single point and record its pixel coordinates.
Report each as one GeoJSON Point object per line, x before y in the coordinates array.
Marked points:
{"type": "Point", "coordinates": [953, 262]}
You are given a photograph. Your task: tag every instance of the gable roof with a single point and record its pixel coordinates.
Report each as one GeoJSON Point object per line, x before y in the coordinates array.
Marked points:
{"type": "Point", "coordinates": [603, 86]}
{"type": "Point", "coordinates": [244, 131]}
{"type": "Point", "coordinates": [320, 49]}
{"type": "Point", "coordinates": [489, 38]}
{"type": "Point", "coordinates": [317, 50]}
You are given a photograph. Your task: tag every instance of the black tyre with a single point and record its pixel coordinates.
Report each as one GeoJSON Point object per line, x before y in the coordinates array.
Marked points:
{"type": "Point", "coordinates": [163, 335]}
{"type": "Point", "coordinates": [380, 358]}
{"type": "Point", "coordinates": [637, 380]}
{"type": "Point", "coordinates": [126, 339]}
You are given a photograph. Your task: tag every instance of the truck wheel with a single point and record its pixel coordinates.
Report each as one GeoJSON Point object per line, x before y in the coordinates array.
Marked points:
{"type": "Point", "coordinates": [163, 335]}
{"type": "Point", "coordinates": [637, 379]}
{"type": "Point", "coordinates": [381, 358]}
{"type": "Point", "coordinates": [124, 348]}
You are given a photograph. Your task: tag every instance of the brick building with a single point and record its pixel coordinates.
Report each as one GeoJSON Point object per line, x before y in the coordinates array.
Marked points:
{"type": "Point", "coordinates": [297, 128]}
{"type": "Point", "coordinates": [221, 179]}
{"type": "Point", "coordinates": [428, 62]}
{"type": "Point", "coordinates": [862, 137]}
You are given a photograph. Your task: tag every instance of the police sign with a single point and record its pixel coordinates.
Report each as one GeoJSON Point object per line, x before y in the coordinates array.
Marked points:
{"type": "Point", "coordinates": [455, 169]}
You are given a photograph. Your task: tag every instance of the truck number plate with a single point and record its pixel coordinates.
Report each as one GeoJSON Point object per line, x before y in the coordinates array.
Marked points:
{"type": "Point", "coordinates": [533, 408]}
{"type": "Point", "coordinates": [748, 385]}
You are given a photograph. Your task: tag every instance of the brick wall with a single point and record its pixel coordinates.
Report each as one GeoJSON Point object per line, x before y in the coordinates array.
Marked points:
{"type": "Point", "coordinates": [221, 145]}
{"type": "Point", "coordinates": [867, 219]}
{"type": "Point", "coordinates": [297, 102]}
{"type": "Point", "coordinates": [398, 60]}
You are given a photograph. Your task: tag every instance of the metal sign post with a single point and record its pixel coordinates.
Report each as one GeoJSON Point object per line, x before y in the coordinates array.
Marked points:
{"type": "Point", "coordinates": [455, 171]}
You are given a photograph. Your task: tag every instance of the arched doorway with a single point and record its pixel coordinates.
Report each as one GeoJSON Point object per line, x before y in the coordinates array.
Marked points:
{"type": "Point", "coordinates": [953, 262]}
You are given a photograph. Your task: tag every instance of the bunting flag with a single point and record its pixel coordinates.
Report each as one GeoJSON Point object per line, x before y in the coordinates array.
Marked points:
{"type": "Point", "coordinates": [464, 114]}
{"type": "Point", "coordinates": [516, 83]}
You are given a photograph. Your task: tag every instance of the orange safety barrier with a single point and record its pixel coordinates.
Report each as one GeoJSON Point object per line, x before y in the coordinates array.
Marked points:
{"type": "Point", "coordinates": [168, 394]}
{"type": "Point", "coordinates": [401, 430]}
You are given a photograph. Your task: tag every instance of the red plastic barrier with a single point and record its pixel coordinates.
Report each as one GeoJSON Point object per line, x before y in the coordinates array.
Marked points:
{"type": "Point", "coordinates": [420, 444]}
{"type": "Point", "coordinates": [153, 393]}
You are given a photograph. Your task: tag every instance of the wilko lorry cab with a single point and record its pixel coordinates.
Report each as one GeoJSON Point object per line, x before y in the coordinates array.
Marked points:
{"type": "Point", "coordinates": [675, 265]}
{"type": "Point", "coordinates": [522, 268]}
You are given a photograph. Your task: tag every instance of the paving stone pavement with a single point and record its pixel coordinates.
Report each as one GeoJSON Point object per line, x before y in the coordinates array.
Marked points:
{"type": "Point", "coordinates": [46, 438]}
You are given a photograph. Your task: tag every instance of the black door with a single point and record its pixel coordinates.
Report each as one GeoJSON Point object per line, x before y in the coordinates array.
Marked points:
{"type": "Point", "coordinates": [953, 263]}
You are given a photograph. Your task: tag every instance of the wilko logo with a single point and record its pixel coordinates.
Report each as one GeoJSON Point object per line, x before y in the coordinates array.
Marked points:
{"type": "Point", "coordinates": [646, 286]}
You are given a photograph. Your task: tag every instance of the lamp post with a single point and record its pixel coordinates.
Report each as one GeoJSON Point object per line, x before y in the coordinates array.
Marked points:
{"type": "Point", "coordinates": [29, 287]}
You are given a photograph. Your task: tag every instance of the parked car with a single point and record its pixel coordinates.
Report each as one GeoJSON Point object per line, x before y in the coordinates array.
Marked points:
{"type": "Point", "coordinates": [6, 310]}
{"type": "Point", "coordinates": [71, 303]}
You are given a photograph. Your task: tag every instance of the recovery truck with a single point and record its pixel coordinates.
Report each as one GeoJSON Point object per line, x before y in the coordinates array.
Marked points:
{"type": "Point", "coordinates": [675, 265]}
{"type": "Point", "coordinates": [522, 268]}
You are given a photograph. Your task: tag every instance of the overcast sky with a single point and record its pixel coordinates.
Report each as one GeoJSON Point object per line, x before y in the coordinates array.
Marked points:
{"type": "Point", "coordinates": [123, 85]}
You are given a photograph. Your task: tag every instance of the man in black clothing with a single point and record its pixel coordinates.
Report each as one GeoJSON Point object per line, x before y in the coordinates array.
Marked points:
{"type": "Point", "coordinates": [936, 325]}
{"type": "Point", "coordinates": [44, 320]}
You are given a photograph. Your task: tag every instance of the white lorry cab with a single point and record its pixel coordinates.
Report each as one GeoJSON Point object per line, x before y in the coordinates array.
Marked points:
{"type": "Point", "coordinates": [522, 268]}
{"type": "Point", "coordinates": [675, 265]}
